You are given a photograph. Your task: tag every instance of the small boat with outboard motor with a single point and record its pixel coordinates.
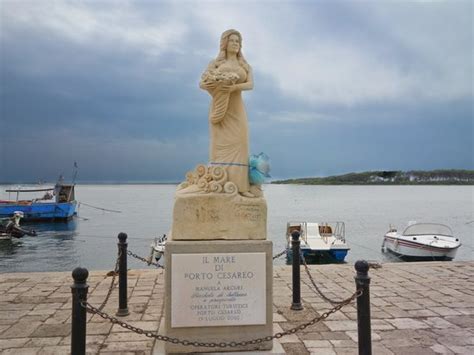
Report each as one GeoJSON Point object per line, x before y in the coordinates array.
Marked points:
{"type": "Point", "coordinates": [422, 241]}
{"type": "Point", "coordinates": [320, 242]}
{"type": "Point", "coordinates": [10, 227]}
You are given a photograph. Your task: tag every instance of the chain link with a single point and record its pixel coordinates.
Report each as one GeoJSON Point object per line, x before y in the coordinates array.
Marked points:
{"type": "Point", "coordinates": [231, 344]}
{"type": "Point", "coordinates": [148, 261]}
{"type": "Point", "coordinates": [279, 254]}
{"type": "Point", "coordinates": [375, 265]}
{"type": "Point", "coordinates": [112, 283]}
{"type": "Point", "coordinates": [315, 285]}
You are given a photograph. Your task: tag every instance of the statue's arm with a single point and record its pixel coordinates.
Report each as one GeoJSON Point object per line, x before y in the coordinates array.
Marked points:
{"type": "Point", "coordinates": [209, 87]}
{"type": "Point", "coordinates": [248, 85]}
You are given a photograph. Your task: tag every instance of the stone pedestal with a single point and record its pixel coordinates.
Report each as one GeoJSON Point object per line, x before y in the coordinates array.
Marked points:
{"type": "Point", "coordinates": [219, 216]}
{"type": "Point", "coordinates": [218, 291]}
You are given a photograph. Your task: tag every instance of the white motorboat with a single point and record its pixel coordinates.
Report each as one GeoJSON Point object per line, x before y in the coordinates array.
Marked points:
{"type": "Point", "coordinates": [320, 242]}
{"type": "Point", "coordinates": [422, 241]}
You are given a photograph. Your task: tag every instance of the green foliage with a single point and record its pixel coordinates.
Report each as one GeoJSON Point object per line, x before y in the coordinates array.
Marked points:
{"type": "Point", "coordinates": [414, 177]}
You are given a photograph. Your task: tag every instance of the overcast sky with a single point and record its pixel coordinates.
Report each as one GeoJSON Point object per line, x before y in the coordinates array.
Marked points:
{"type": "Point", "coordinates": [340, 86]}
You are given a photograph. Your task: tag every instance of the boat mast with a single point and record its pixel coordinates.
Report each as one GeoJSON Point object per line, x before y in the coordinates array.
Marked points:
{"type": "Point", "coordinates": [73, 182]}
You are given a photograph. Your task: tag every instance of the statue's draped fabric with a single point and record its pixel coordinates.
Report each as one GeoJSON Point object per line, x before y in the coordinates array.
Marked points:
{"type": "Point", "coordinates": [229, 143]}
{"type": "Point", "coordinates": [219, 105]}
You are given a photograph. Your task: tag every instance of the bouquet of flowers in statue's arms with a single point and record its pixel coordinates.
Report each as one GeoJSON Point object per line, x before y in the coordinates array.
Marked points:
{"type": "Point", "coordinates": [259, 168]}
{"type": "Point", "coordinates": [216, 76]}
{"type": "Point", "coordinates": [220, 99]}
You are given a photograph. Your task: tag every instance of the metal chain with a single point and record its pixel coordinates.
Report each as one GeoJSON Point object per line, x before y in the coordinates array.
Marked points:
{"type": "Point", "coordinates": [112, 283]}
{"type": "Point", "coordinates": [315, 285]}
{"type": "Point", "coordinates": [148, 261]}
{"type": "Point", "coordinates": [279, 254]}
{"type": "Point", "coordinates": [375, 265]}
{"type": "Point", "coordinates": [231, 344]}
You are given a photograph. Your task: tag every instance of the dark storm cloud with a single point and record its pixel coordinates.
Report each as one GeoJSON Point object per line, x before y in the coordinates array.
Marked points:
{"type": "Point", "coordinates": [105, 89]}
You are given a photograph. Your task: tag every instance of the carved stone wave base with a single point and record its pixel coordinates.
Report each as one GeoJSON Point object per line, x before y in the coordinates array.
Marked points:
{"type": "Point", "coordinates": [211, 216]}
{"type": "Point", "coordinates": [218, 291]}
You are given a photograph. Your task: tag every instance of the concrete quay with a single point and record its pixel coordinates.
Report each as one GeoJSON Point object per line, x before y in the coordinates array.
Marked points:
{"type": "Point", "coordinates": [417, 308]}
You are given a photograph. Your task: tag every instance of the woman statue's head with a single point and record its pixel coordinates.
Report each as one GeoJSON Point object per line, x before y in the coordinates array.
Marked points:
{"type": "Point", "coordinates": [227, 39]}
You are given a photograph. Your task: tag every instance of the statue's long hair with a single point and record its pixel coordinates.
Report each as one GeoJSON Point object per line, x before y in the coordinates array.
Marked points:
{"type": "Point", "coordinates": [222, 56]}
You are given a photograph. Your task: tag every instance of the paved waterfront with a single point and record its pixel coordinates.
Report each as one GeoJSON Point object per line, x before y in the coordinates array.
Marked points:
{"type": "Point", "coordinates": [417, 308]}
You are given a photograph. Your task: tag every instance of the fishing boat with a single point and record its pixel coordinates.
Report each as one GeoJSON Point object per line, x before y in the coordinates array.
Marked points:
{"type": "Point", "coordinates": [320, 242]}
{"type": "Point", "coordinates": [57, 204]}
{"type": "Point", "coordinates": [422, 241]}
{"type": "Point", "coordinates": [10, 227]}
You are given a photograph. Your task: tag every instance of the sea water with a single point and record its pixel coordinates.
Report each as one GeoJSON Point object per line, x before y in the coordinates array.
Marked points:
{"type": "Point", "coordinates": [90, 240]}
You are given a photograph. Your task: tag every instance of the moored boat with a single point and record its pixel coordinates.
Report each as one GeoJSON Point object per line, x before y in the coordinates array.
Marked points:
{"type": "Point", "coordinates": [422, 241]}
{"type": "Point", "coordinates": [158, 248]}
{"type": "Point", "coordinates": [10, 227]}
{"type": "Point", "coordinates": [57, 204]}
{"type": "Point", "coordinates": [320, 242]}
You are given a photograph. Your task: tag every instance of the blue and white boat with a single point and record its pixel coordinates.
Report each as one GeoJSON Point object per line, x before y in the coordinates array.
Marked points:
{"type": "Point", "coordinates": [57, 204]}
{"type": "Point", "coordinates": [320, 242]}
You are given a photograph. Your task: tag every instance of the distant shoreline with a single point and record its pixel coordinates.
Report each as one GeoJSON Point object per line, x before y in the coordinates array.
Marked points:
{"type": "Point", "coordinates": [93, 183]}
{"type": "Point", "coordinates": [377, 178]}
{"type": "Point", "coordinates": [373, 184]}
{"type": "Point", "coordinates": [269, 183]}
{"type": "Point", "coordinates": [369, 178]}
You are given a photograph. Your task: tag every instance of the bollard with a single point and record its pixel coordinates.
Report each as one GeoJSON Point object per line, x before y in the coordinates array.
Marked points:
{"type": "Point", "coordinates": [122, 247]}
{"type": "Point", "coordinates": [362, 281]}
{"type": "Point", "coordinates": [79, 313]}
{"type": "Point", "coordinates": [295, 246]}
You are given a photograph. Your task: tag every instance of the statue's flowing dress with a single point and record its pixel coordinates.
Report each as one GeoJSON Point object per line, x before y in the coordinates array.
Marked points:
{"type": "Point", "coordinates": [229, 143]}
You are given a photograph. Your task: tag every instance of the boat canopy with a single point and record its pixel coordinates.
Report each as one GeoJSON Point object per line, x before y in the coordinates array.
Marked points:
{"type": "Point", "coordinates": [29, 190]}
{"type": "Point", "coordinates": [428, 229]}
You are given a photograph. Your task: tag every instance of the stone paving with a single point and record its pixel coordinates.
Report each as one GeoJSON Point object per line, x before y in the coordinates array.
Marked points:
{"type": "Point", "coordinates": [417, 308]}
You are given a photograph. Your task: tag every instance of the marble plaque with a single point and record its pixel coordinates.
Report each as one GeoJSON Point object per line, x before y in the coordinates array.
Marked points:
{"type": "Point", "coordinates": [218, 289]}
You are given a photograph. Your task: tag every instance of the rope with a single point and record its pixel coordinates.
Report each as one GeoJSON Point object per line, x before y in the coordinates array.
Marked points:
{"type": "Point", "coordinates": [99, 208]}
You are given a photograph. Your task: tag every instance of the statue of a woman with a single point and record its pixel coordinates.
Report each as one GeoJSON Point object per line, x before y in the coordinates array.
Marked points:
{"type": "Point", "coordinates": [224, 79]}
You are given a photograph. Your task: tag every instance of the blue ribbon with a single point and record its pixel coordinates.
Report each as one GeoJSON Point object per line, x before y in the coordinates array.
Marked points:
{"type": "Point", "coordinates": [236, 164]}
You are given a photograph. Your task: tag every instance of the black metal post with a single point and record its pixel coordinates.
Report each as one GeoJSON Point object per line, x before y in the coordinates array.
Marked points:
{"type": "Point", "coordinates": [122, 247]}
{"type": "Point", "coordinates": [362, 281]}
{"type": "Point", "coordinates": [295, 246]}
{"type": "Point", "coordinates": [79, 313]}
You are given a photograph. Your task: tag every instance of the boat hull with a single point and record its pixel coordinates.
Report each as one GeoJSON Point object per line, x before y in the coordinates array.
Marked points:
{"type": "Point", "coordinates": [319, 256]}
{"type": "Point", "coordinates": [41, 211]}
{"type": "Point", "coordinates": [411, 250]}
